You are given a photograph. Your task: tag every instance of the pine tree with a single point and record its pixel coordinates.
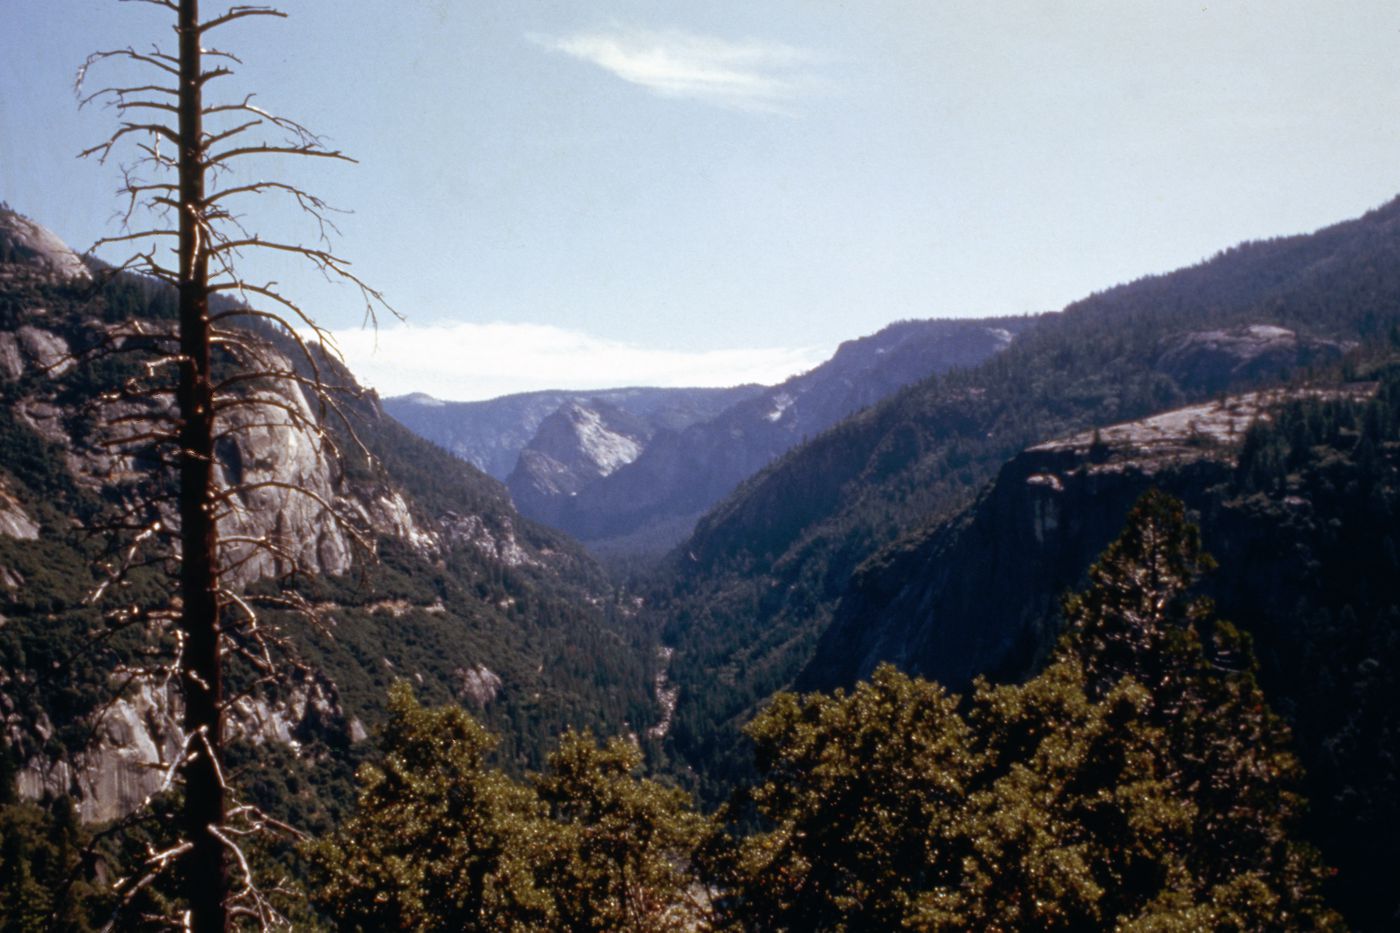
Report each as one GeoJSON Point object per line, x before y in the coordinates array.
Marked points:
{"type": "Point", "coordinates": [1224, 751]}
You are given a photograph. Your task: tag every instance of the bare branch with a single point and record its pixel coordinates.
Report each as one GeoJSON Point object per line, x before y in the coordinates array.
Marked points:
{"type": "Point", "coordinates": [154, 59]}
{"type": "Point", "coordinates": [309, 150]}
{"type": "Point", "coordinates": [206, 76]}
{"type": "Point", "coordinates": [240, 12]}
{"type": "Point", "coordinates": [126, 238]}
{"type": "Point", "coordinates": [146, 105]}
{"type": "Point", "coordinates": [123, 92]}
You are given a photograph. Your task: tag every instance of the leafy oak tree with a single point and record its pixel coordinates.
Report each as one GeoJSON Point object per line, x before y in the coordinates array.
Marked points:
{"type": "Point", "coordinates": [440, 839]}
{"type": "Point", "coordinates": [620, 855]}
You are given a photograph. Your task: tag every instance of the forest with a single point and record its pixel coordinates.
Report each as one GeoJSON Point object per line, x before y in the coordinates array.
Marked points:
{"type": "Point", "coordinates": [1140, 780]}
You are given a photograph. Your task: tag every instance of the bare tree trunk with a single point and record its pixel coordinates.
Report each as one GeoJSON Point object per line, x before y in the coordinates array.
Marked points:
{"type": "Point", "coordinates": [201, 670]}
{"type": "Point", "coordinates": [168, 108]}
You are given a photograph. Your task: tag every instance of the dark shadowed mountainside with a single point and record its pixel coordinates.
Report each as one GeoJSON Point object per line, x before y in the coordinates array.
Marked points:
{"type": "Point", "coordinates": [751, 592]}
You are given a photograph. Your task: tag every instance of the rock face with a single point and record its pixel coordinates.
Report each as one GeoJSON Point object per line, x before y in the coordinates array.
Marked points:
{"type": "Point", "coordinates": [137, 740]}
{"type": "Point", "coordinates": [492, 434]}
{"type": "Point", "coordinates": [67, 430]}
{"type": "Point", "coordinates": [23, 240]}
{"type": "Point", "coordinates": [577, 445]}
{"type": "Point", "coordinates": [1215, 359]}
{"type": "Point", "coordinates": [652, 502]}
{"type": "Point", "coordinates": [979, 594]}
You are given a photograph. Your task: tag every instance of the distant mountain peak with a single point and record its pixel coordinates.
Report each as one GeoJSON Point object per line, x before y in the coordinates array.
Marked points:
{"type": "Point", "coordinates": [37, 245]}
{"type": "Point", "coordinates": [421, 398]}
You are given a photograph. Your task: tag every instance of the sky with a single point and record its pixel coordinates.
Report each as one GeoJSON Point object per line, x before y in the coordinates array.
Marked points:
{"type": "Point", "coordinates": [557, 193]}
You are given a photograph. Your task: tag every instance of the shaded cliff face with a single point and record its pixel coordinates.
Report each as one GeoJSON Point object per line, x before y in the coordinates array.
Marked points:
{"type": "Point", "coordinates": [1297, 495]}
{"type": "Point", "coordinates": [473, 602]}
{"type": "Point", "coordinates": [1217, 359]}
{"type": "Point", "coordinates": [980, 594]}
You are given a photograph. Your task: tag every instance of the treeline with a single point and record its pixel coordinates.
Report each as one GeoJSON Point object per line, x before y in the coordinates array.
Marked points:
{"type": "Point", "coordinates": [1140, 782]}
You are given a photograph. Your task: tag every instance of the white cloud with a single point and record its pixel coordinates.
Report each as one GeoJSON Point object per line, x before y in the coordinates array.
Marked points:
{"type": "Point", "coordinates": [747, 74]}
{"type": "Point", "coordinates": [464, 362]}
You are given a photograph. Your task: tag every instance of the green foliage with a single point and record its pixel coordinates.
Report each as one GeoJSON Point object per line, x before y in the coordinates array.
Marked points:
{"type": "Point", "coordinates": [864, 797]}
{"type": "Point", "coordinates": [619, 849]}
{"type": "Point", "coordinates": [439, 841]}
{"type": "Point", "coordinates": [1139, 782]}
{"type": "Point", "coordinates": [444, 840]}
{"type": "Point", "coordinates": [45, 881]}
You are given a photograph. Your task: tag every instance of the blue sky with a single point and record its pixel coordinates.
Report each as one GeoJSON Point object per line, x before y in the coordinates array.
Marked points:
{"type": "Point", "coordinates": [588, 194]}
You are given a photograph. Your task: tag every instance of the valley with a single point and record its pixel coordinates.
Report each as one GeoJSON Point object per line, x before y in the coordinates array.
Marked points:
{"type": "Point", "coordinates": [924, 499]}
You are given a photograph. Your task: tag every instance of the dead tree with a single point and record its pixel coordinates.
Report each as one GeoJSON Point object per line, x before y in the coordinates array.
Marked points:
{"type": "Point", "coordinates": [177, 144]}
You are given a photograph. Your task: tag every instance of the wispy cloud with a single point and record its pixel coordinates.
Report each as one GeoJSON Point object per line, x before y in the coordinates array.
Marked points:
{"type": "Point", "coordinates": [464, 362]}
{"type": "Point", "coordinates": [746, 74]}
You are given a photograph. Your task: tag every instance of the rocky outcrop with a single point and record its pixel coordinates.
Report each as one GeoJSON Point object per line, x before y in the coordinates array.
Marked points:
{"type": "Point", "coordinates": [14, 520]}
{"type": "Point", "coordinates": [576, 446]}
{"type": "Point", "coordinates": [1214, 359]}
{"type": "Point", "coordinates": [478, 684]}
{"type": "Point", "coordinates": [137, 741]}
{"type": "Point", "coordinates": [498, 543]}
{"type": "Point", "coordinates": [38, 247]}
{"type": "Point", "coordinates": [979, 595]}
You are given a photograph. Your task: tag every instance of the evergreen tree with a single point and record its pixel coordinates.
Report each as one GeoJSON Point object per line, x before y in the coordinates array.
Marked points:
{"type": "Point", "coordinates": [620, 847]}
{"type": "Point", "coordinates": [1226, 753]}
{"type": "Point", "coordinates": [440, 840]}
{"type": "Point", "coordinates": [1139, 782]}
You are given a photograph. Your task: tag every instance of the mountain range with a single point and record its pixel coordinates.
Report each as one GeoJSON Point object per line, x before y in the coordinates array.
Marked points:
{"type": "Point", "coordinates": [632, 470]}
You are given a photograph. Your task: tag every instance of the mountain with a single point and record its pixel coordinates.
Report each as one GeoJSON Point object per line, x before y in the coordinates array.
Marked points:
{"type": "Point", "coordinates": [745, 600]}
{"type": "Point", "coordinates": [577, 445]}
{"type": "Point", "coordinates": [652, 502]}
{"type": "Point", "coordinates": [1297, 494]}
{"type": "Point", "coordinates": [462, 596]}
{"type": "Point", "coordinates": [491, 434]}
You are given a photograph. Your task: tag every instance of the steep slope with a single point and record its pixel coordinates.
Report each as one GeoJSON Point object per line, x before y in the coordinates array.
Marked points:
{"type": "Point", "coordinates": [491, 434]}
{"type": "Point", "coordinates": [653, 501]}
{"type": "Point", "coordinates": [1297, 495]}
{"type": "Point", "coordinates": [752, 590]}
{"type": "Point", "coordinates": [577, 445]}
{"type": "Point", "coordinates": [467, 599]}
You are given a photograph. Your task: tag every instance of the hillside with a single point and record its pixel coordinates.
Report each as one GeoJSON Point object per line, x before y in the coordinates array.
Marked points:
{"type": "Point", "coordinates": [1296, 493]}
{"type": "Point", "coordinates": [466, 599]}
{"type": "Point", "coordinates": [491, 434]}
{"type": "Point", "coordinates": [652, 502]}
{"type": "Point", "coordinates": [750, 593]}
